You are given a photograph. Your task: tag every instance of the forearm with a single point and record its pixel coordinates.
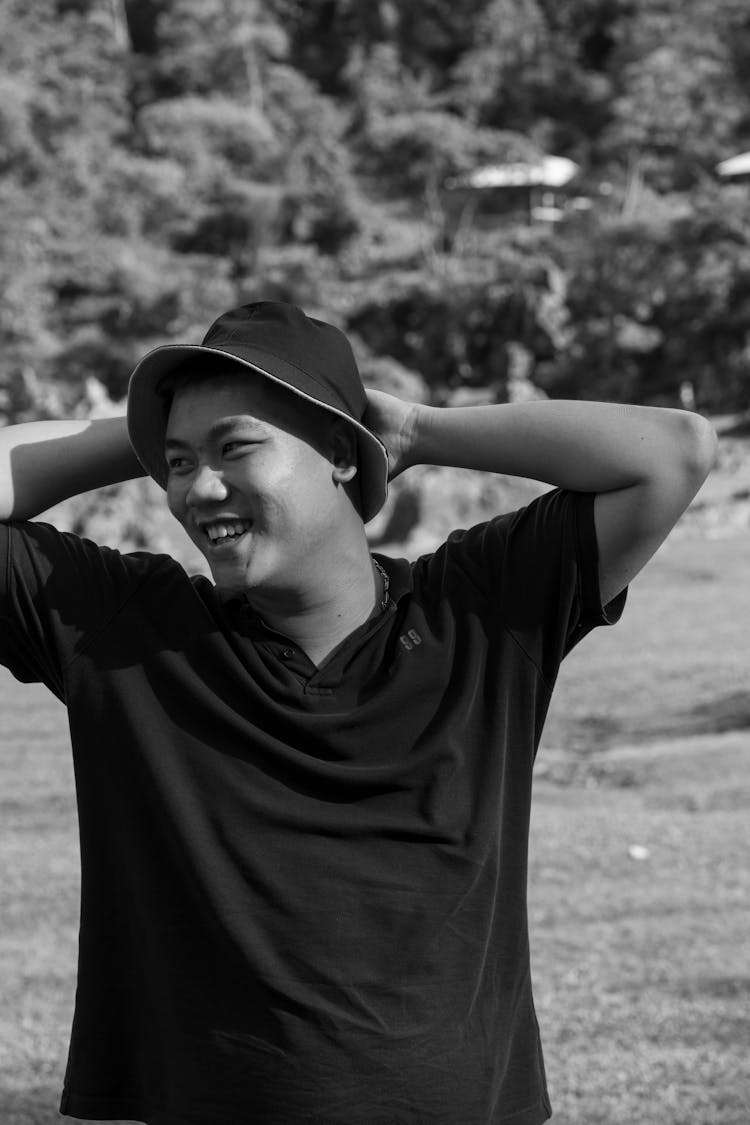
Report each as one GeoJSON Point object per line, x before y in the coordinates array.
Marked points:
{"type": "Point", "coordinates": [43, 463]}
{"type": "Point", "coordinates": [583, 446]}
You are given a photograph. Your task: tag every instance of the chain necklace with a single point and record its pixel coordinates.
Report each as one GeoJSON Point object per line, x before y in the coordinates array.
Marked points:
{"type": "Point", "coordinates": [383, 604]}
{"type": "Point", "coordinates": [386, 584]}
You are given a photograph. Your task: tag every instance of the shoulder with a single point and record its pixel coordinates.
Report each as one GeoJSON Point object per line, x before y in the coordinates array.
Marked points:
{"type": "Point", "coordinates": [41, 545]}
{"type": "Point", "coordinates": [61, 573]}
{"type": "Point", "coordinates": [530, 536]}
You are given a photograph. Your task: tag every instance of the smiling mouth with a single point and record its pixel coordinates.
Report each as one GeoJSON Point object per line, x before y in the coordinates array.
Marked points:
{"type": "Point", "coordinates": [224, 536]}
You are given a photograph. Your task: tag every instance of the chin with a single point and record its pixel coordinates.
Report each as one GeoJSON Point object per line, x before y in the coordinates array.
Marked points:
{"type": "Point", "coordinates": [228, 580]}
{"type": "Point", "coordinates": [227, 587]}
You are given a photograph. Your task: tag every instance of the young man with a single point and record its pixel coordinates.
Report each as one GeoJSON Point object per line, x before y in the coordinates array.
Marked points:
{"type": "Point", "coordinates": [304, 788]}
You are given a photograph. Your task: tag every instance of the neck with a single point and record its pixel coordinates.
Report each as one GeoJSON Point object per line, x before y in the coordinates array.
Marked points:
{"type": "Point", "coordinates": [324, 614]}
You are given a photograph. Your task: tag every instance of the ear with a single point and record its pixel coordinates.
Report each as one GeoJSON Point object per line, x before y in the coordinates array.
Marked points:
{"type": "Point", "coordinates": [343, 452]}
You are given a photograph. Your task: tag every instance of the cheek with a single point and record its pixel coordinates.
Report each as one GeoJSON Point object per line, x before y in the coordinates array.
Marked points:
{"type": "Point", "coordinates": [301, 482]}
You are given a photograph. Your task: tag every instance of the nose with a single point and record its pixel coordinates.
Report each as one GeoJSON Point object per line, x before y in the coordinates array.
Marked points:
{"type": "Point", "coordinates": [206, 485]}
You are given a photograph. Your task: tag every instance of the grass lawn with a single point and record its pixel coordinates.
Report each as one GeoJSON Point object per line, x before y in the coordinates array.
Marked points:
{"type": "Point", "coordinates": [641, 965]}
{"type": "Point", "coordinates": [641, 959]}
{"type": "Point", "coordinates": [678, 661]}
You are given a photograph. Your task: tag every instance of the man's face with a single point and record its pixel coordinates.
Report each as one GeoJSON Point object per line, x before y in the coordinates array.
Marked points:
{"type": "Point", "coordinates": [251, 481]}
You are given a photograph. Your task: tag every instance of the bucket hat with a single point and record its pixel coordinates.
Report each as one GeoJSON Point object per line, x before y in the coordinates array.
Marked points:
{"type": "Point", "coordinates": [309, 357]}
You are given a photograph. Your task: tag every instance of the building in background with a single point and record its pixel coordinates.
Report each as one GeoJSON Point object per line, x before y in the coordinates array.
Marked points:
{"type": "Point", "coordinates": [539, 191]}
{"type": "Point", "coordinates": [735, 168]}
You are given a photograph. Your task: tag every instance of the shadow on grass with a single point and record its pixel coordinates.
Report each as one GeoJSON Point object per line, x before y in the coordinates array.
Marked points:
{"type": "Point", "coordinates": [719, 988]}
{"type": "Point", "coordinates": [728, 712]}
{"type": "Point", "coordinates": [594, 734]}
{"type": "Point", "coordinates": [38, 1105]}
{"type": "Point", "coordinates": [591, 734]}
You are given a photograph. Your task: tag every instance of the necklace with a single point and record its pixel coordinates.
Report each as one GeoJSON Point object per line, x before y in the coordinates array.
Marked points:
{"type": "Point", "coordinates": [386, 583]}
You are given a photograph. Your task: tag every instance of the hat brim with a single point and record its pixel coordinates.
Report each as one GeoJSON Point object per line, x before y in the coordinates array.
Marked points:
{"type": "Point", "coordinates": [147, 413]}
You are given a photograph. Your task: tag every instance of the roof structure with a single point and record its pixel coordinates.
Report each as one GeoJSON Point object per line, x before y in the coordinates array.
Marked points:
{"type": "Point", "coordinates": [735, 166]}
{"type": "Point", "coordinates": [550, 172]}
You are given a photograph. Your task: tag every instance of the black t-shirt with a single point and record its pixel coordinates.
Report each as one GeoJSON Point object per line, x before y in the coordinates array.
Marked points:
{"type": "Point", "coordinates": [304, 890]}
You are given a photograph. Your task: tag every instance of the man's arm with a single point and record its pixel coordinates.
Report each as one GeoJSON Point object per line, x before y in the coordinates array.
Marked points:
{"type": "Point", "coordinates": [43, 463]}
{"type": "Point", "coordinates": [644, 463]}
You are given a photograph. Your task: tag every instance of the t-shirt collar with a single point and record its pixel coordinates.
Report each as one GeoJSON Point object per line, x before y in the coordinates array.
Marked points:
{"type": "Point", "coordinates": [236, 606]}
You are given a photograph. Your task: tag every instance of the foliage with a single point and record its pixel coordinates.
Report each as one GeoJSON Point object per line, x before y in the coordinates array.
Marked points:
{"type": "Point", "coordinates": [454, 323]}
{"type": "Point", "coordinates": [658, 302]}
{"type": "Point", "coordinates": [161, 160]}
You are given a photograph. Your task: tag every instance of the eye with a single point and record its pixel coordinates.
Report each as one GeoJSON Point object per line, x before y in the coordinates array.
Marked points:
{"type": "Point", "coordinates": [241, 445]}
{"type": "Point", "coordinates": [176, 464]}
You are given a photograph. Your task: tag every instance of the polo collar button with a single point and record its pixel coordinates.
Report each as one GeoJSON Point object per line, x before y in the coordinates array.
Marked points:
{"type": "Point", "coordinates": [287, 653]}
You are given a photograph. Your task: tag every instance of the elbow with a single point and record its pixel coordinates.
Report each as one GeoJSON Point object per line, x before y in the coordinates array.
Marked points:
{"type": "Point", "coordinates": [698, 446]}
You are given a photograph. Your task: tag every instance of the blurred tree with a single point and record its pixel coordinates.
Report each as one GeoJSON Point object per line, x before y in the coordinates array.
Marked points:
{"type": "Point", "coordinates": [142, 19]}
{"type": "Point", "coordinates": [163, 159]}
{"type": "Point", "coordinates": [264, 148]}
{"type": "Point", "coordinates": [322, 200]}
{"type": "Point", "coordinates": [217, 47]}
{"type": "Point", "coordinates": [543, 69]}
{"type": "Point", "coordinates": [406, 143]}
{"type": "Point", "coordinates": [655, 303]}
{"type": "Point", "coordinates": [427, 36]}
{"type": "Point", "coordinates": [736, 33]}
{"type": "Point", "coordinates": [454, 324]}
{"type": "Point", "coordinates": [66, 107]}
{"type": "Point", "coordinates": [431, 35]}
{"type": "Point", "coordinates": [677, 111]}
{"type": "Point", "coordinates": [324, 33]}
{"type": "Point", "coordinates": [210, 131]}
{"type": "Point", "coordinates": [21, 156]}
{"type": "Point", "coordinates": [415, 153]}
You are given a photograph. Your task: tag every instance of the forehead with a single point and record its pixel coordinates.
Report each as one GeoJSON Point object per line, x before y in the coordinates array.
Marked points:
{"type": "Point", "coordinates": [229, 393]}
{"type": "Point", "coordinates": [200, 403]}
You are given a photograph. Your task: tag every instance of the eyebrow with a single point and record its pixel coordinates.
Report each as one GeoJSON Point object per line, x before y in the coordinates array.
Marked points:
{"type": "Point", "coordinates": [221, 429]}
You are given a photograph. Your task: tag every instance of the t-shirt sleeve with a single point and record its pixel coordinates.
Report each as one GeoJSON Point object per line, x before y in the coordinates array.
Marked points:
{"type": "Point", "coordinates": [57, 591]}
{"type": "Point", "coordinates": [537, 571]}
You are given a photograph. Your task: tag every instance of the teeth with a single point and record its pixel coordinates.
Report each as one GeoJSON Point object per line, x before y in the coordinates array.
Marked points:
{"type": "Point", "coordinates": [219, 531]}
